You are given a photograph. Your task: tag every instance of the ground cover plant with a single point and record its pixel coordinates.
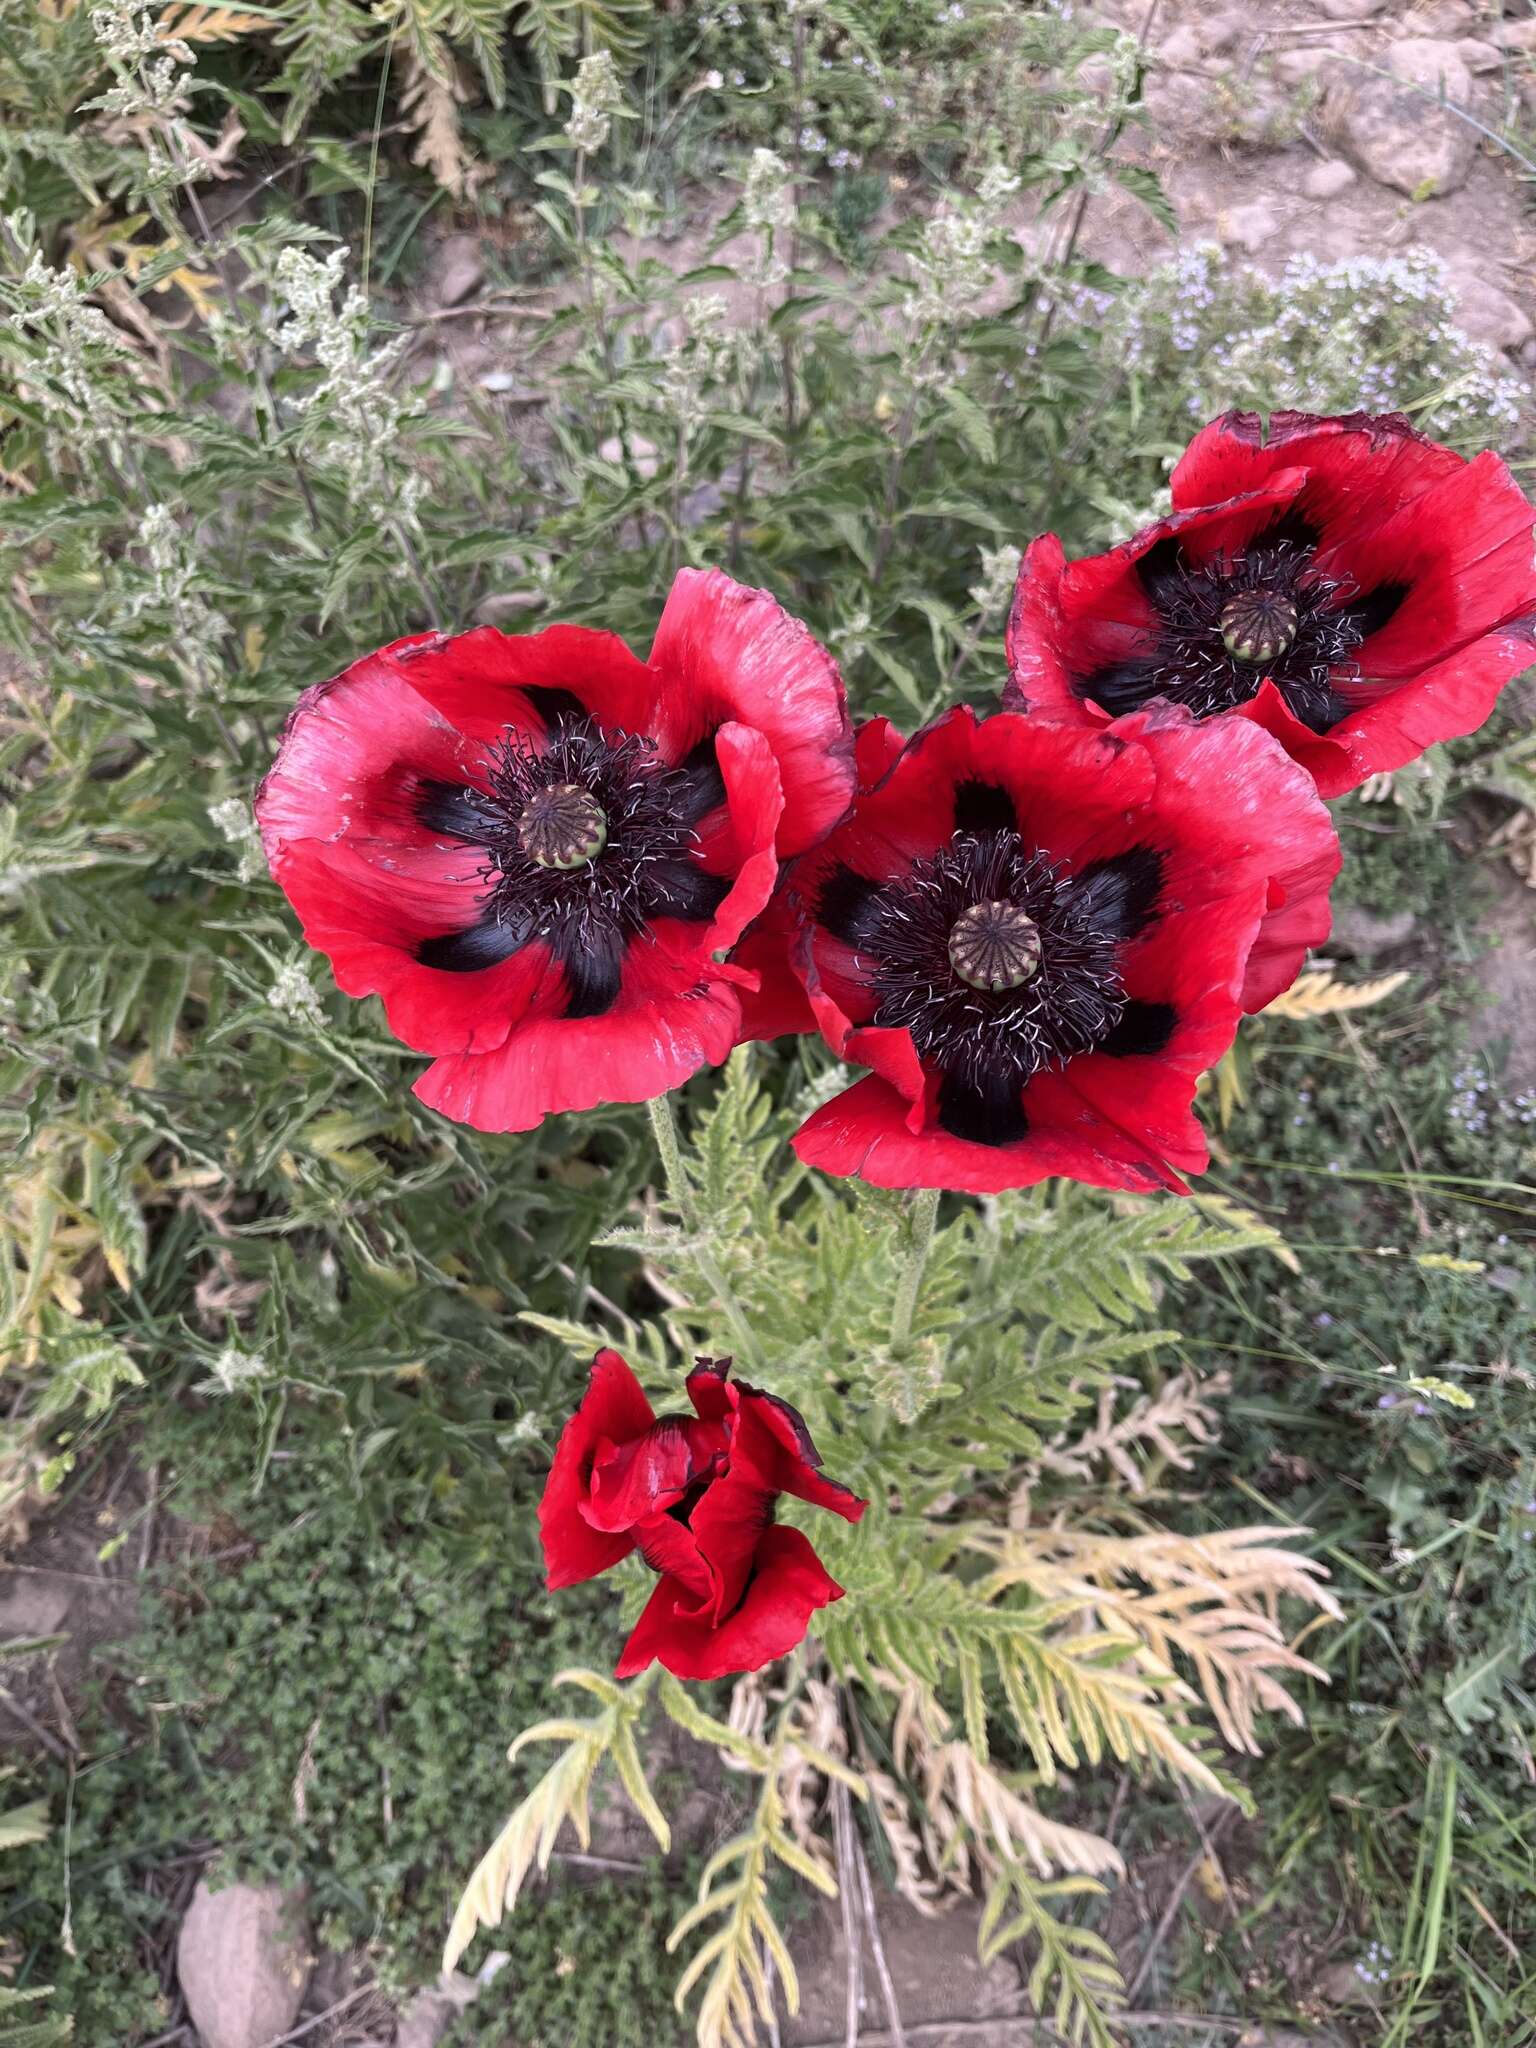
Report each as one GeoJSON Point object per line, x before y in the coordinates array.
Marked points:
{"type": "Point", "coordinates": [342, 1331]}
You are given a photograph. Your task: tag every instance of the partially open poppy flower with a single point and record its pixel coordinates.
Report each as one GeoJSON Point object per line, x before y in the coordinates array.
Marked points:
{"type": "Point", "coordinates": [533, 846]}
{"type": "Point", "coordinates": [695, 1494]}
{"type": "Point", "coordinates": [1356, 589]}
{"type": "Point", "coordinates": [1038, 936]}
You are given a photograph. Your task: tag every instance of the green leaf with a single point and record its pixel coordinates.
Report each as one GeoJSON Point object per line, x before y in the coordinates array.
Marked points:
{"type": "Point", "coordinates": [975, 427]}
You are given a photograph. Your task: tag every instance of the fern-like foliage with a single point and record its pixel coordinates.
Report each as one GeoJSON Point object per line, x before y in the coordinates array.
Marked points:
{"type": "Point", "coordinates": [1027, 1303]}
{"type": "Point", "coordinates": [1071, 1694]}
{"type": "Point", "coordinates": [562, 1794]}
{"type": "Point", "coordinates": [733, 1892]}
{"type": "Point", "coordinates": [1074, 1976]}
{"type": "Point", "coordinates": [19, 2028]}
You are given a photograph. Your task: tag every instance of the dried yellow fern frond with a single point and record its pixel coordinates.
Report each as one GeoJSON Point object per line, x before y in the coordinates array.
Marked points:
{"type": "Point", "coordinates": [1164, 1421]}
{"type": "Point", "coordinates": [430, 105]}
{"type": "Point", "coordinates": [1207, 1603]}
{"type": "Point", "coordinates": [187, 24]}
{"type": "Point", "coordinates": [970, 1813]}
{"type": "Point", "coordinates": [734, 1891]}
{"type": "Point", "coordinates": [1319, 995]}
{"type": "Point", "coordinates": [562, 1794]}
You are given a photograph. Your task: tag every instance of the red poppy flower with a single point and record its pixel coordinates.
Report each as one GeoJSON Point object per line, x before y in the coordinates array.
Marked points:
{"type": "Point", "coordinates": [532, 847]}
{"type": "Point", "coordinates": [1354, 588]}
{"type": "Point", "coordinates": [1039, 936]}
{"type": "Point", "coordinates": [695, 1495]}
{"type": "Point", "coordinates": [779, 1007]}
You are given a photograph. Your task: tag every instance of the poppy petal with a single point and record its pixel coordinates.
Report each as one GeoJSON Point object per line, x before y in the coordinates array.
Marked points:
{"type": "Point", "coordinates": [640, 1477]}
{"type": "Point", "coordinates": [729, 653]}
{"type": "Point", "coordinates": [613, 1410]}
{"type": "Point", "coordinates": [481, 682]}
{"type": "Point", "coordinates": [634, 1052]}
{"type": "Point", "coordinates": [789, 1584]}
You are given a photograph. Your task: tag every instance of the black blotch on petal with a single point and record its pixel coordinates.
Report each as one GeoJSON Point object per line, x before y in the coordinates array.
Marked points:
{"type": "Point", "coordinates": [1118, 894]}
{"type": "Point", "coordinates": [555, 707]}
{"type": "Point", "coordinates": [1143, 1028]}
{"type": "Point", "coordinates": [454, 811]}
{"type": "Point", "coordinates": [680, 888]}
{"type": "Point", "coordinates": [703, 788]}
{"type": "Point", "coordinates": [593, 964]}
{"type": "Point", "coordinates": [848, 905]}
{"type": "Point", "coordinates": [1161, 570]}
{"type": "Point", "coordinates": [986, 1111]}
{"type": "Point", "coordinates": [1370, 613]}
{"type": "Point", "coordinates": [1124, 686]}
{"type": "Point", "coordinates": [1288, 529]}
{"type": "Point", "coordinates": [984, 807]}
{"type": "Point", "coordinates": [1319, 707]}
{"type": "Point", "coordinates": [485, 944]}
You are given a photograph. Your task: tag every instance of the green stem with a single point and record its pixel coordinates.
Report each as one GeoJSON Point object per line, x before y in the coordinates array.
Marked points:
{"type": "Point", "coordinates": [664, 1124]}
{"type": "Point", "coordinates": [924, 1215]}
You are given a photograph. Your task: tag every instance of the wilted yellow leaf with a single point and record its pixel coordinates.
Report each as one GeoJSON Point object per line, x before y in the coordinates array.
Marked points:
{"type": "Point", "coordinates": [1319, 995]}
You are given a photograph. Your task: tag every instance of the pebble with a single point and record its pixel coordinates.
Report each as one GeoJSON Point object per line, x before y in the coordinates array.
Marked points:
{"type": "Point", "coordinates": [1250, 226]}
{"type": "Point", "coordinates": [243, 1960]}
{"type": "Point", "coordinates": [1489, 313]}
{"type": "Point", "coordinates": [1327, 181]}
{"type": "Point", "coordinates": [1479, 57]}
{"type": "Point", "coordinates": [458, 270]}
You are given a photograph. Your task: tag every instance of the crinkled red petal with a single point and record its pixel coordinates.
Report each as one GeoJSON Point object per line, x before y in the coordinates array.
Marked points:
{"type": "Point", "coordinates": [789, 1584]}
{"type": "Point", "coordinates": [642, 1476]}
{"type": "Point", "coordinates": [613, 1410]}
{"type": "Point", "coordinates": [773, 1441]}
{"type": "Point", "coordinates": [637, 1051]}
{"type": "Point", "coordinates": [725, 652]}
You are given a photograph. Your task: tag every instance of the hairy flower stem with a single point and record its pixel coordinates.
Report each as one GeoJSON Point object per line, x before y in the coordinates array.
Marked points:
{"type": "Point", "coordinates": [924, 1214]}
{"type": "Point", "coordinates": [664, 1124]}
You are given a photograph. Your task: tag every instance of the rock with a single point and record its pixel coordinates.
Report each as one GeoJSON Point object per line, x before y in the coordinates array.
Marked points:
{"type": "Point", "coordinates": [1343, 1984]}
{"type": "Point", "coordinates": [1479, 57]}
{"type": "Point", "coordinates": [704, 501]}
{"type": "Point", "coordinates": [1221, 32]}
{"type": "Point", "coordinates": [1204, 37]}
{"type": "Point", "coordinates": [1431, 62]}
{"type": "Point", "coordinates": [1175, 102]}
{"type": "Point", "coordinates": [1515, 35]}
{"type": "Point", "coordinates": [1507, 982]}
{"type": "Point", "coordinates": [1349, 10]}
{"type": "Point", "coordinates": [1488, 313]}
{"type": "Point", "coordinates": [1446, 18]}
{"type": "Point", "coordinates": [457, 271]}
{"type": "Point", "coordinates": [1392, 127]}
{"type": "Point", "coordinates": [502, 605]}
{"type": "Point", "coordinates": [1327, 181]}
{"type": "Point", "coordinates": [1364, 932]}
{"type": "Point", "coordinates": [1183, 49]}
{"type": "Point", "coordinates": [432, 2012]}
{"type": "Point", "coordinates": [1295, 67]}
{"type": "Point", "coordinates": [30, 1607]}
{"type": "Point", "coordinates": [1250, 227]}
{"type": "Point", "coordinates": [243, 1960]}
